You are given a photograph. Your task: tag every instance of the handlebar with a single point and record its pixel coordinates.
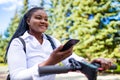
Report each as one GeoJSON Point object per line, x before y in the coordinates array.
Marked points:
{"type": "Point", "coordinates": [46, 70]}
{"type": "Point", "coordinates": [90, 70]}
{"type": "Point", "coordinates": [112, 67]}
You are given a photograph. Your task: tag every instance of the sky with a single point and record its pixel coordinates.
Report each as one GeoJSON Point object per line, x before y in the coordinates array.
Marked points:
{"type": "Point", "coordinates": [7, 11]}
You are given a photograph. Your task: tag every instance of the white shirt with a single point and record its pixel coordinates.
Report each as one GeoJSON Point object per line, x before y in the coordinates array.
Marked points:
{"type": "Point", "coordinates": [24, 66]}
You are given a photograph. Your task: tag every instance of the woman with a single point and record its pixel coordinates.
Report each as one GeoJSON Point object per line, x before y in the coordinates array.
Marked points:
{"type": "Point", "coordinates": [24, 65]}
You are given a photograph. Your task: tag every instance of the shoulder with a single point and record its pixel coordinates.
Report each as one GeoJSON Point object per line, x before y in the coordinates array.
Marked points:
{"type": "Point", "coordinates": [16, 42]}
{"type": "Point", "coordinates": [26, 35]}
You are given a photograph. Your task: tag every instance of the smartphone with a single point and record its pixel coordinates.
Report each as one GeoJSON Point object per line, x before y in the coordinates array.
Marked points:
{"type": "Point", "coordinates": [69, 44]}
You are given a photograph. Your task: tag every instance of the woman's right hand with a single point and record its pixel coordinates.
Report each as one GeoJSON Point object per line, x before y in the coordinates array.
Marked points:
{"type": "Point", "coordinates": [57, 56]}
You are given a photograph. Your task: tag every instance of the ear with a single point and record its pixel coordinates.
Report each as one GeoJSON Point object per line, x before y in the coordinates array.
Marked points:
{"type": "Point", "coordinates": [28, 21]}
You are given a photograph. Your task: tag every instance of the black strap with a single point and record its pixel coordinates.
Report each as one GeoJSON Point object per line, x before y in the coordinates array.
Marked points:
{"type": "Point", "coordinates": [51, 41]}
{"type": "Point", "coordinates": [23, 42]}
{"type": "Point", "coordinates": [8, 77]}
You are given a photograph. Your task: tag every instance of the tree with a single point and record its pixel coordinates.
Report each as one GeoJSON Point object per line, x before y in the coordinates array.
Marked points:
{"type": "Point", "coordinates": [91, 21]}
{"type": "Point", "coordinates": [11, 29]}
{"type": "Point", "coordinates": [25, 7]}
{"type": "Point", "coordinates": [1, 49]}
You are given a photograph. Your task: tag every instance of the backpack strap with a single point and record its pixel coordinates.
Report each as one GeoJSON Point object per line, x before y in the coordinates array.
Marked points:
{"type": "Point", "coordinates": [8, 77]}
{"type": "Point", "coordinates": [51, 41]}
{"type": "Point", "coordinates": [24, 47]}
{"type": "Point", "coordinates": [23, 42]}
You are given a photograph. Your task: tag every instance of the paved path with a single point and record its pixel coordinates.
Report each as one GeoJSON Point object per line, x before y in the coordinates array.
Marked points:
{"type": "Point", "coordinates": [79, 76]}
{"type": "Point", "coordinates": [67, 76]}
{"type": "Point", "coordinates": [3, 72]}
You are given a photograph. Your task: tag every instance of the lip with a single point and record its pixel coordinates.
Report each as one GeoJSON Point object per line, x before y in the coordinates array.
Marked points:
{"type": "Point", "coordinates": [43, 26]}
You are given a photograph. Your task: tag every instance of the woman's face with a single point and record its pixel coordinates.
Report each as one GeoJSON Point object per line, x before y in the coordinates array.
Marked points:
{"type": "Point", "coordinates": [38, 23]}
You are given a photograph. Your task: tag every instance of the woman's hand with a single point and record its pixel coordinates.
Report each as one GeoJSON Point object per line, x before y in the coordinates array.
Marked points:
{"type": "Point", "coordinates": [57, 56]}
{"type": "Point", "coordinates": [105, 63]}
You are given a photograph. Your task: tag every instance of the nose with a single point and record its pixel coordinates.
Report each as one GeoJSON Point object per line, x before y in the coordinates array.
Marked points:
{"type": "Point", "coordinates": [43, 21]}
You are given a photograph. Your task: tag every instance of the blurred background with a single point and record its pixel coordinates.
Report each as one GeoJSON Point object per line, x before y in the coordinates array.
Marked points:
{"type": "Point", "coordinates": [96, 23]}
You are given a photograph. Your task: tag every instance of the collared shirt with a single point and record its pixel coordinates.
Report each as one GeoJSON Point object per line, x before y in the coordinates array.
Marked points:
{"type": "Point", "coordinates": [24, 66]}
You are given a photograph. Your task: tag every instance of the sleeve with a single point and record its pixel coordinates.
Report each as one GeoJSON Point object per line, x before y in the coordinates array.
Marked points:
{"type": "Point", "coordinates": [17, 62]}
{"type": "Point", "coordinates": [66, 61]}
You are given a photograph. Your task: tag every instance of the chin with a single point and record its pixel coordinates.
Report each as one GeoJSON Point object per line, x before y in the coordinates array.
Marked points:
{"type": "Point", "coordinates": [42, 31]}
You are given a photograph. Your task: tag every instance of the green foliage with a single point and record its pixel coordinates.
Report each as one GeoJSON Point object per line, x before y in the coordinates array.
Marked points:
{"type": "Point", "coordinates": [3, 44]}
{"type": "Point", "coordinates": [94, 42]}
{"type": "Point", "coordinates": [25, 7]}
{"type": "Point", "coordinates": [13, 26]}
{"type": "Point", "coordinates": [11, 29]}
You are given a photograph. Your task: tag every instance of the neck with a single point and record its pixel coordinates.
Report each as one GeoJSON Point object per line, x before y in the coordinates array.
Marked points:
{"type": "Point", "coordinates": [37, 35]}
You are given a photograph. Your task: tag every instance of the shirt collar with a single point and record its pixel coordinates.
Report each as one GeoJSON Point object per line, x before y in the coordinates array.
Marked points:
{"type": "Point", "coordinates": [27, 35]}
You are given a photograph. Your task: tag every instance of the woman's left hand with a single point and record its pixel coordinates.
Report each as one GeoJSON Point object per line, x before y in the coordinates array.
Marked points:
{"type": "Point", "coordinates": [105, 63]}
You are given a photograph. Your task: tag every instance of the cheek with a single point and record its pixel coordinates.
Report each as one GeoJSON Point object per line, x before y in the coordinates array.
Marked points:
{"type": "Point", "coordinates": [34, 24]}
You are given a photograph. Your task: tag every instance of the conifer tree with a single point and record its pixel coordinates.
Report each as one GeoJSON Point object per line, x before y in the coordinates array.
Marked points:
{"type": "Point", "coordinates": [15, 20]}
{"type": "Point", "coordinates": [12, 27]}
{"type": "Point", "coordinates": [25, 7]}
